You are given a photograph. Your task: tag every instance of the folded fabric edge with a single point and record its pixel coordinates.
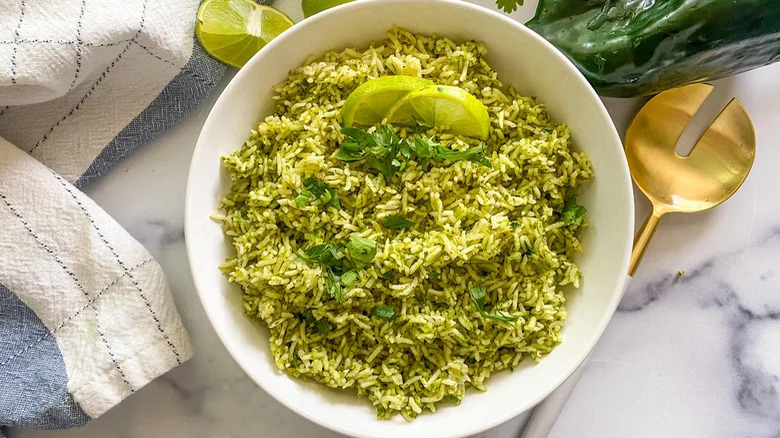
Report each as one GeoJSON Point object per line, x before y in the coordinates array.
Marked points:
{"type": "Point", "coordinates": [34, 378]}
{"type": "Point", "coordinates": [179, 98]}
{"type": "Point", "coordinates": [56, 324]}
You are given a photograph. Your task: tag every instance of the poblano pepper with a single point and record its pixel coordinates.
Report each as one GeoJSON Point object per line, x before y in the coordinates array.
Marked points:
{"type": "Point", "coordinates": [634, 47]}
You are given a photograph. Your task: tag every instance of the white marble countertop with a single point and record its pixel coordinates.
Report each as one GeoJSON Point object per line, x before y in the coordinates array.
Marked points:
{"type": "Point", "coordinates": [697, 356]}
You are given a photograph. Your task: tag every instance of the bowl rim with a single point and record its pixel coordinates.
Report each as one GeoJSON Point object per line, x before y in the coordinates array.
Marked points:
{"type": "Point", "coordinates": [474, 8]}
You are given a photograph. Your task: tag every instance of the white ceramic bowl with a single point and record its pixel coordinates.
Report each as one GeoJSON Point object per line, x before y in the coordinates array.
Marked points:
{"type": "Point", "coordinates": [522, 59]}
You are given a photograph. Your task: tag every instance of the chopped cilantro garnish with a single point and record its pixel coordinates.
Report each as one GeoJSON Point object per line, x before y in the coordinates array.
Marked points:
{"type": "Point", "coordinates": [384, 312]}
{"type": "Point", "coordinates": [324, 254]}
{"type": "Point", "coordinates": [434, 275]}
{"type": "Point", "coordinates": [572, 213]}
{"type": "Point", "coordinates": [327, 255]}
{"type": "Point", "coordinates": [386, 153]}
{"type": "Point", "coordinates": [303, 199]}
{"type": "Point", "coordinates": [474, 154]}
{"type": "Point", "coordinates": [389, 275]}
{"type": "Point", "coordinates": [349, 277]}
{"type": "Point", "coordinates": [361, 250]}
{"type": "Point", "coordinates": [395, 222]}
{"type": "Point", "coordinates": [308, 316]}
{"type": "Point", "coordinates": [323, 326]}
{"type": "Point", "coordinates": [478, 294]}
{"type": "Point", "coordinates": [334, 286]}
{"type": "Point", "coordinates": [314, 188]}
{"type": "Point", "coordinates": [379, 149]}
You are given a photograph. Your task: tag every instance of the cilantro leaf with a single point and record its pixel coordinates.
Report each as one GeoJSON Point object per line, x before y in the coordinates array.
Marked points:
{"type": "Point", "coordinates": [509, 5]}
{"type": "Point", "coordinates": [384, 312]}
{"type": "Point", "coordinates": [334, 286]}
{"type": "Point", "coordinates": [360, 138]}
{"type": "Point", "coordinates": [434, 275]}
{"type": "Point", "coordinates": [314, 188]}
{"type": "Point", "coordinates": [323, 326]}
{"type": "Point", "coordinates": [349, 277]}
{"type": "Point", "coordinates": [308, 316]}
{"type": "Point", "coordinates": [361, 250]}
{"type": "Point", "coordinates": [395, 222]}
{"type": "Point", "coordinates": [379, 149]}
{"type": "Point", "coordinates": [474, 154]}
{"type": "Point", "coordinates": [572, 213]}
{"type": "Point", "coordinates": [348, 157]}
{"type": "Point", "coordinates": [389, 275]}
{"type": "Point", "coordinates": [303, 199]}
{"type": "Point", "coordinates": [384, 140]}
{"type": "Point", "coordinates": [325, 254]}
{"type": "Point", "coordinates": [424, 149]}
{"type": "Point", "coordinates": [478, 294]}
{"type": "Point", "coordinates": [386, 165]}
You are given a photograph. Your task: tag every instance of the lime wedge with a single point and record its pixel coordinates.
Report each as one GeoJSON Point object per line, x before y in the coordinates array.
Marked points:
{"type": "Point", "coordinates": [369, 103]}
{"type": "Point", "coordinates": [443, 106]}
{"type": "Point", "coordinates": [311, 7]}
{"type": "Point", "coordinates": [234, 30]}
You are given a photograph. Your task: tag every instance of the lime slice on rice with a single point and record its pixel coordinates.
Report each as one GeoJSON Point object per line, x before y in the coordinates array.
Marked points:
{"type": "Point", "coordinates": [443, 106]}
{"type": "Point", "coordinates": [234, 30]}
{"type": "Point", "coordinates": [369, 103]}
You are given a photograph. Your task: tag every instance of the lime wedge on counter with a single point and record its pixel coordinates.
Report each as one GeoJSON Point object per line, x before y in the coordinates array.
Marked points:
{"type": "Point", "coordinates": [311, 7]}
{"type": "Point", "coordinates": [233, 30]}
{"type": "Point", "coordinates": [369, 103]}
{"type": "Point", "coordinates": [443, 106]}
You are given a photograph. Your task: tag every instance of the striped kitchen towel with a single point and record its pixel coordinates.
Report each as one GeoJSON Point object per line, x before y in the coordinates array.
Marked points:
{"type": "Point", "coordinates": [86, 316]}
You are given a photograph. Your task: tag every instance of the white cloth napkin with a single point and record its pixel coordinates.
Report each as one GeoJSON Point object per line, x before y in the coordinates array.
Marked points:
{"type": "Point", "coordinates": [84, 83]}
{"type": "Point", "coordinates": [86, 316]}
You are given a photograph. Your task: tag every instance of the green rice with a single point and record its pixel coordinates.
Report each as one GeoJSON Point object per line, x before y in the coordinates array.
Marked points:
{"type": "Point", "coordinates": [497, 227]}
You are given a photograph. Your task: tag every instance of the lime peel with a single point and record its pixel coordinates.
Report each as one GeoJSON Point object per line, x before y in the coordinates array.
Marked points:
{"type": "Point", "coordinates": [232, 31]}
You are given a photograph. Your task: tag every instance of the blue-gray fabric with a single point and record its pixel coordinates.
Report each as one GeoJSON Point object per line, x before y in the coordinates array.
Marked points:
{"type": "Point", "coordinates": [182, 95]}
{"type": "Point", "coordinates": [33, 378]}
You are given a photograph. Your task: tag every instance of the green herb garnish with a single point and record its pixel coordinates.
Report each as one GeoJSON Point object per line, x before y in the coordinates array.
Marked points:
{"type": "Point", "coordinates": [328, 256]}
{"type": "Point", "coordinates": [395, 222]}
{"type": "Point", "coordinates": [314, 188]}
{"type": "Point", "coordinates": [334, 286]}
{"type": "Point", "coordinates": [361, 250]}
{"type": "Point", "coordinates": [474, 154]}
{"type": "Point", "coordinates": [434, 275]}
{"type": "Point", "coordinates": [308, 316]}
{"type": "Point", "coordinates": [478, 294]}
{"type": "Point", "coordinates": [324, 254]}
{"type": "Point", "coordinates": [349, 277]}
{"type": "Point", "coordinates": [386, 153]}
{"type": "Point", "coordinates": [323, 326]}
{"type": "Point", "coordinates": [426, 149]}
{"type": "Point", "coordinates": [509, 6]}
{"type": "Point", "coordinates": [379, 149]}
{"type": "Point", "coordinates": [572, 213]}
{"type": "Point", "coordinates": [384, 312]}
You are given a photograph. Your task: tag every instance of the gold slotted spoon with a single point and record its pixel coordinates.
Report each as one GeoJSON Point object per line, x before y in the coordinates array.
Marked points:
{"type": "Point", "coordinates": [714, 170]}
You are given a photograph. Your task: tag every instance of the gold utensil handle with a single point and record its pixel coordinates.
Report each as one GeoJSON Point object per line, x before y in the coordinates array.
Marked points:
{"type": "Point", "coordinates": [642, 238]}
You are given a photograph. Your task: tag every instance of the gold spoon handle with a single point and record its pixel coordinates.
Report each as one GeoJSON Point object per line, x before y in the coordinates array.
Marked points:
{"type": "Point", "coordinates": [642, 238]}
